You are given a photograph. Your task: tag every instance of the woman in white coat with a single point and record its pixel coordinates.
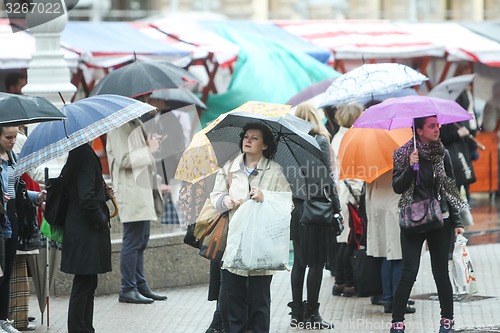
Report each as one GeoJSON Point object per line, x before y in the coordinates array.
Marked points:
{"type": "Point", "coordinates": [344, 280]}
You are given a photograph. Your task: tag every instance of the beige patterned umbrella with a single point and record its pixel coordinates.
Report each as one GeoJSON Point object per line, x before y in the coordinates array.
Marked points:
{"type": "Point", "coordinates": [199, 160]}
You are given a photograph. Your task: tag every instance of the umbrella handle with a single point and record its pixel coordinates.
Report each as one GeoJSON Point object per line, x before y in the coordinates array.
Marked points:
{"type": "Point", "coordinates": [115, 205]}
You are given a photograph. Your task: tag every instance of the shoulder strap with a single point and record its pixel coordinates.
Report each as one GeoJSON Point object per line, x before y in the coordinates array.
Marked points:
{"type": "Point", "coordinates": [229, 175]}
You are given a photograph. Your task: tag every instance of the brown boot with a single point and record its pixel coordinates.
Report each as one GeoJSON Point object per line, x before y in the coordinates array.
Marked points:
{"type": "Point", "coordinates": [313, 320]}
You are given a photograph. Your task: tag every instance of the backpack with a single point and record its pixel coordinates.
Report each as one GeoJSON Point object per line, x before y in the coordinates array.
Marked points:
{"type": "Point", "coordinates": [56, 204]}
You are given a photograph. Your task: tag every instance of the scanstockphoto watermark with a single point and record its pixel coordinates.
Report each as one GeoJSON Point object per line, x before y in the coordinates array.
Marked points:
{"type": "Point", "coordinates": [26, 14]}
{"type": "Point", "coordinates": [358, 325]}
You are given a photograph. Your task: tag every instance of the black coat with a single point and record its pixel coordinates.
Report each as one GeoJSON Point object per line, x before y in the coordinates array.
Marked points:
{"type": "Point", "coordinates": [86, 247]}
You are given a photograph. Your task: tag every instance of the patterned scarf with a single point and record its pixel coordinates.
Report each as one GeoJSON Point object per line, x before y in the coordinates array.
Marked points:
{"type": "Point", "coordinates": [434, 152]}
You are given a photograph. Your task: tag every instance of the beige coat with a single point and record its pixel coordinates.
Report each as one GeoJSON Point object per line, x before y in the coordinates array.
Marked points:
{"type": "Point", "coordinates": [383, 237]}
{"type": "Point", "coordinates": [269, 177]}
{"type": "Point", "coordinates": [133, 174]}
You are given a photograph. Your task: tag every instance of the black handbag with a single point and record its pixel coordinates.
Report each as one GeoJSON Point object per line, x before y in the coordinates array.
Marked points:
{"type": "Point", "coordinates": [29, 233]}
{"type": "Point", "coordinates": [319, 211]}
{"type": "Point", "coordinates": [366, 272]}
{"type": "Point", "coordinates": [56, 204]}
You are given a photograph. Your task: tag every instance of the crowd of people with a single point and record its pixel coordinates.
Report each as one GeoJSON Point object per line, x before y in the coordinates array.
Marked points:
{"type": "Point", "coordinates": [243, 297]}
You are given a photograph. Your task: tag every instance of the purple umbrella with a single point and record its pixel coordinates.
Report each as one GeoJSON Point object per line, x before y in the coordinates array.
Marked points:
{"type": "Point", "coordinates": [310, 92]}
{"type": "Point", "coordinates": [400, 112]}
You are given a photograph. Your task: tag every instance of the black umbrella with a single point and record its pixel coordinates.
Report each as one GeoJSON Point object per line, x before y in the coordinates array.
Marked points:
{"type": "Point", "coordinates": [178, 98]}
{"type": "Point", "coordinates": [22, 109]}
{"type": "Point", "coordinates": [297, 152]}
{"type": "Point", "coordinates": [140, 77]}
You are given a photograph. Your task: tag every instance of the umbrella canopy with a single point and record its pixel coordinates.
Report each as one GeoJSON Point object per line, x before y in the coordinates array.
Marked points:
{"type": "Point", "coordinates": [400, 112]}
{"type": "Point", "coordinates": [296, 150]}
{"type": "Point", "coordinates": [199, 161]}
{"type": "Point", "coordinates": [369, 80]}
{"type": "Point", "coordinates": [87, 119]}
{"type": "Point", "coordinates": [22, 109]}
{"type": "Point", "coordinates": [366, 153]}
{"type": "Point", "coordinates": [178, 98]}
{"type": "Point", "coordinates": [452, 87]}
{"type": "Point", "coordinates": [141, 77]}
{"type": "Point", "coordinates": [310, 92]}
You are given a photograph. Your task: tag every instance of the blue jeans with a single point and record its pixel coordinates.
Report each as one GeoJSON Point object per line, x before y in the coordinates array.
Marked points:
{"type": "Point", "coordinates": [134, 242]}
{"type": "Point", "coordinates": [439, 242]}
{"type": "Point", "coordinates": [391, 273]}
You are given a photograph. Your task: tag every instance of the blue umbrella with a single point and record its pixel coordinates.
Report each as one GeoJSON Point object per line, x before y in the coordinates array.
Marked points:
{"type": "Point", "coordinates": [87, 119]}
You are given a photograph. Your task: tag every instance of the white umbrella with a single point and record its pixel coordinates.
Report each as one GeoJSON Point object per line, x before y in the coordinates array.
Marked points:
{"type": "Point", "coordinates": [452, 87]}
{"type": "Point", "coordinates": [369, 80]}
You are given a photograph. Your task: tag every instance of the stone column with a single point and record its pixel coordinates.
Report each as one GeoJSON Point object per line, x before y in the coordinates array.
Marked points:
{"type": "Point", "coordinates": [49, 75]}
{"type": "Point", "coordinates": [48, 72]}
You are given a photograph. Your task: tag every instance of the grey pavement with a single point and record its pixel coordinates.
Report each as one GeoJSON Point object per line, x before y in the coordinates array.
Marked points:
{"type": "Point", "coordinates": [187, 309]}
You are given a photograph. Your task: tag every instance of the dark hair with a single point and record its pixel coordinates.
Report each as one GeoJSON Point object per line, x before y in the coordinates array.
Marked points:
{"type": "Point", "coordinates": [267, 137]}
{"type": "Point", "coordinates": [418, 123]}
{"type": "Point", "coordinates": [13, 78]}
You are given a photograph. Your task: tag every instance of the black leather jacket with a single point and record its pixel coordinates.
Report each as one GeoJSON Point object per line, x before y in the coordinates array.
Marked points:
{"type": "Point", "coordinates": [428, 186]}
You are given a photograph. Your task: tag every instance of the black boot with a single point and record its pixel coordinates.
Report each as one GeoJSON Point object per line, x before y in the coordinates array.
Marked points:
{"type": "Point", "coordinates": [312, 318]}
{"type": "Point", "coordinates": [297, 314]}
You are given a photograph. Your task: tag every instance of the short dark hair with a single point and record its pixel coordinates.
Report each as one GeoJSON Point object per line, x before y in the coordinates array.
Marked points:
{"type": "Point", "coordinates": [13, 78]}
{"type": "Point", "coordinates": [418, 123]}
{"type": "Point", "coordinates": [267, 137]}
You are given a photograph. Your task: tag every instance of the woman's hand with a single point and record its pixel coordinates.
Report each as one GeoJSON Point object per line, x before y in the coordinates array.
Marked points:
{"type": "Point", "coordinates": [414, 157]}
{"type": "Point", "coordinates": [459, 231]}
{"type": "Point", "coordinates": [256, 194]}
{"type": "Point", "coordinates": [41, 196]}
{"type": "Point", "coordinates": [230, 203]}
{"type": "Point", "coordinates": [109, 192]}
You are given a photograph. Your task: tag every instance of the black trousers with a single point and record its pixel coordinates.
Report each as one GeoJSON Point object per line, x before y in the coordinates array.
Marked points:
{"type": "Point", "coordinates": [247, 301]}
{"type": "Point", "coordinates": [81, 304]}
{"type": "Point", "coordinates": [439, 241]}
{"type": "Point", "coordinates": [10, 257]}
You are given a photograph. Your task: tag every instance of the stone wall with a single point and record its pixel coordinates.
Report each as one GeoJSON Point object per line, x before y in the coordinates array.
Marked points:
{"type": "Point", "coordinates": [168, 263]}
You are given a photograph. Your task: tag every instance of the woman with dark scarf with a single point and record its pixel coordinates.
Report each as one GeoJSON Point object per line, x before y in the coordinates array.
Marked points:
{"type": "Point", "coordinates": [433, 179]}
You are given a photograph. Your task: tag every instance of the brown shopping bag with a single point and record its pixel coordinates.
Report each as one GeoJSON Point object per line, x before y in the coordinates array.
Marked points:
{"type": "Point", "coordinates": [213, 240]}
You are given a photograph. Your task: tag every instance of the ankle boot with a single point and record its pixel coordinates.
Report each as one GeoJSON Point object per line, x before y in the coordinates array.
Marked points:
{"type": "Point", "coordinates": [338, 289]}
{"type": "Point", "coordinates": [297, 314]}
{"type": "Point", "coordinates": [397, 327]}
{"type": "Point", "coordinates": [447, 326]}
{"type": "Point", "coordinates": [312, 318]}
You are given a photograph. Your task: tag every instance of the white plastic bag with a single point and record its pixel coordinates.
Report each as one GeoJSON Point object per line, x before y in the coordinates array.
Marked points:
{"type": "Point", "coordinates": [259, 234]}
{"type": "Point", "coordinates": [462, 271]}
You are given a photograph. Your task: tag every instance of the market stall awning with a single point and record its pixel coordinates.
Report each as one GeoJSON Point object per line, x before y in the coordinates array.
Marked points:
{"type": "Point", "coordinates": [269, 31]}
{"type": "Point", "coordinates": [193, 32]}
{"type": "Point", "coordinates": [107, 44]}
{"type": "Point", "coordinates": [358, 40]}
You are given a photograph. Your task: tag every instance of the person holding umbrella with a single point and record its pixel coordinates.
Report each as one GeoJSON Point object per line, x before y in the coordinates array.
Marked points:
{"type": "Point", "coordinates": [133, 172]}
{"type": "Point", "coordinates": [433, 178]}
{"type": "Point", "coordinates": [86, 249]}
{"type": "Point", "coordinates": [245, 296]}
